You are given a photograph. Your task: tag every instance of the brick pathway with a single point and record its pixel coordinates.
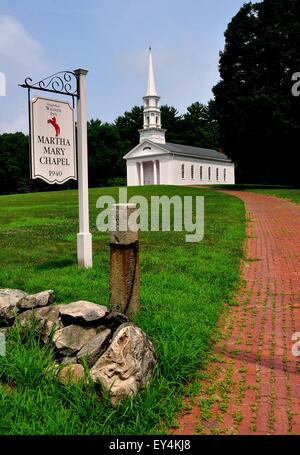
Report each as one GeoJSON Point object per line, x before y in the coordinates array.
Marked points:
{"type": "Point", "coordinates": [251, 384]}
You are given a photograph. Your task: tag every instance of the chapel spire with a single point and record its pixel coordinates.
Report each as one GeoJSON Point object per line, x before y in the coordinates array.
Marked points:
{"type": "Point", "coordinates": [151, 90]}
{"type": "Point", "coordinates": [152, 129]}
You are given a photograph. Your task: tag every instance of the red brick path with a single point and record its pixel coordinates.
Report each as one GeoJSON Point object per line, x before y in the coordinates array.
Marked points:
{"type": "Point", "coordinates": [252, 383]}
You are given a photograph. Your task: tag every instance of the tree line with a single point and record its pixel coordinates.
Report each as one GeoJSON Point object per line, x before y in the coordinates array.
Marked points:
{"type": "Point", "coordinates": [258, 116]}
{"type": "Point", "coordinates": [107, 144]}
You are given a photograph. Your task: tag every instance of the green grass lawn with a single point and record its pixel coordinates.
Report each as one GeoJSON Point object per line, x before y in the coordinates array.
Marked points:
{"type": "Point", "coordinates": [183, 290]}
{"type": "Point", "coordinates": [292, 194]}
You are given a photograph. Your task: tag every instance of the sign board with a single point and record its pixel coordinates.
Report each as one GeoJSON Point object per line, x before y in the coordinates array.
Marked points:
{"type": "Point", "coordinates": [53, 152]}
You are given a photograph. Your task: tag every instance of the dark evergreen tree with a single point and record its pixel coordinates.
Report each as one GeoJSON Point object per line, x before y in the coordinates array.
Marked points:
{"type": "Point", "coordinates": [200, 129]}
{"type": "Point", "coordinates": [106, 151]}
{"type": "Point", "coordinates": [14, 163]}
{"type": "Point", "coordinates": [107, 144]}
{"type": "Point", "coordinates": [128, 125]}
{"type": "Point", "coordinates": [172, 122]}
{"type": "Point", "coordinates": [258, 116]}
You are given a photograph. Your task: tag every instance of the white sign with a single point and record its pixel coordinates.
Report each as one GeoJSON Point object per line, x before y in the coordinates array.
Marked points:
{"type": "Point", "coordinates": [53, 153]}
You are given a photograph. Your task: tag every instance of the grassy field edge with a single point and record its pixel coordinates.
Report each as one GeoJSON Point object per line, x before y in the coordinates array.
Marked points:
{"type": "Point", "coordinates": [184, 289]}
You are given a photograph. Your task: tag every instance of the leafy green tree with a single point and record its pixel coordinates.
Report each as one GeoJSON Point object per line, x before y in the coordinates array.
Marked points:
{"type": "Point", "coordinates": [200, 127]}
{"type": "Point", "coordinates": [171, 120]}
{"type": "Point", "coordinates": [258, 116]}
{"type": "Point", "coordinates": [107, 144]}
{"type": "Point", "coordinates": [14, 163]}
{"type": "Point", "coordinates": [128, 125]}
{"type": "Point", "coordinates": [106, 152]}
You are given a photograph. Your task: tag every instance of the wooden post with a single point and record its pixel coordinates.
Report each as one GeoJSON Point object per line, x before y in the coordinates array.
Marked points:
{"type": "Point", "coordinates": [124, 281]}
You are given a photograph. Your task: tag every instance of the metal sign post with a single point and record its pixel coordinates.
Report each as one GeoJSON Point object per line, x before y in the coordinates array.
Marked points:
{"type": "Point", "coordinates": [53, 149]}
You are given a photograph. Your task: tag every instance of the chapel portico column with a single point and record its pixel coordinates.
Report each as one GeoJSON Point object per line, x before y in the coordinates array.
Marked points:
{"type": "Point", "coordinates": [142, 172]}
{"type": "Point", "coordinates": [155, 172]}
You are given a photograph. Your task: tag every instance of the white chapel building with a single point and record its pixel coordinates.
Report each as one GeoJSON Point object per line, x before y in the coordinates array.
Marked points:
{"type": "Point", "coordinates": [157, 162]}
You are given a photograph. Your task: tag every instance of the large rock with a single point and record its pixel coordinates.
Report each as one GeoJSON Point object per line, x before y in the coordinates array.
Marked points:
{"type": "Point", "coordinates": [39, 314]}
{"type": "Point", "coordinates": [128, 363]}
{"type": "Point", "coordinates": [9, 298]}
{"type": "Point", "coordinates": [69, 340]}
{"type": "Point", "coordinates": [40, 299]}
{"type": "Point", "coordinates": [47, 319]}
{"type": "Point", "coordinates": [95, 347]}
{"type": "Point", "coordinates": [73, 373]}
{"type": "Point", "coordinates": [82, 312]}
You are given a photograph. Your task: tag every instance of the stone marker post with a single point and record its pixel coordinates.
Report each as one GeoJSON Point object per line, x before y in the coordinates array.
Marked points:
{"type": "Point", "coordinates": [124, 261]}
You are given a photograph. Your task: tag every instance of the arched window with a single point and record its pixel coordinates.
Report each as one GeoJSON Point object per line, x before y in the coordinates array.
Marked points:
{"type": "Point", "coordinates": [209, 173]}
{"type": "Point", "coordinates": [156, 120]}
{"type": "Point", "coordinates": [201, 172]}
{"type": "Point", "coordinates": [224, 175]}
{"type": "Point", "coordinates": [192, 172]}
{"type": "Point", "coordinates": [217, 174]}
{"type": "Point", "coordinates": [148, 120]}
{"type": "Point", "coordinates": [182, 171]}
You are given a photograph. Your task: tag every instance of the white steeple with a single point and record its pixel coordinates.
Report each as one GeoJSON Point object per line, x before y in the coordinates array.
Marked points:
{"type": "Point", "coordinates": [152, 129]}
{"type": "Point", "coordinates": [151, 91]}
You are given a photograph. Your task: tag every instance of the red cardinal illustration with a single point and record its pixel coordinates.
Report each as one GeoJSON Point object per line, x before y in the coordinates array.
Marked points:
{"type": "Point", "coordinates": [55, 125]}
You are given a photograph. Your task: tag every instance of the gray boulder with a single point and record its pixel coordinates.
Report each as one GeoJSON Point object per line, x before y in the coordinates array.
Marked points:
{"type": "Point", "coordinates": [47, 319]}
{"type": "Point", "coordinates": [82, 312]}
{"type": "Point", "coordinates": [48, 329]}
{"type": "Point", "coordinates": [69, 340]}
{"type": "Point", "coordinates": [50, 313]}
{"type": "Point", "coordinates": [128, 363]}
{"type": "Point", "coordinates": [40, 299]}
{"type": "Point", "coordinates": [9, 298]}
{"type": "Point", "coordinates": [95, 347]}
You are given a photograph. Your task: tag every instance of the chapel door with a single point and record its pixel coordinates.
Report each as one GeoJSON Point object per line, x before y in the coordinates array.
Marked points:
{"type": "Point", "coordinates": [148, 173]}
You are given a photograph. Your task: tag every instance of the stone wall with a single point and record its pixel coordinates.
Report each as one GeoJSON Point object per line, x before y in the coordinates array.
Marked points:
{"type": "Point", "coordinates": [116, 352]}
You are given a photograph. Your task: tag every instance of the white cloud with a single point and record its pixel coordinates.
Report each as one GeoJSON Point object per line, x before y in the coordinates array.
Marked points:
{"type": "Point", "coordinates": [18, 47]}
{"type": "Point", "coordinates": [20, 56]}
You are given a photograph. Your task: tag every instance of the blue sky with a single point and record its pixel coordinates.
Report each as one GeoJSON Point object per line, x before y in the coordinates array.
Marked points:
{"type": "Point", "coordinates": [110, 38]}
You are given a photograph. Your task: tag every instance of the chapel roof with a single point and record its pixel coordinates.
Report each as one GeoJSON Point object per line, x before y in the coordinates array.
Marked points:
{"type": "Point", "coordinates": [187, 150]}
